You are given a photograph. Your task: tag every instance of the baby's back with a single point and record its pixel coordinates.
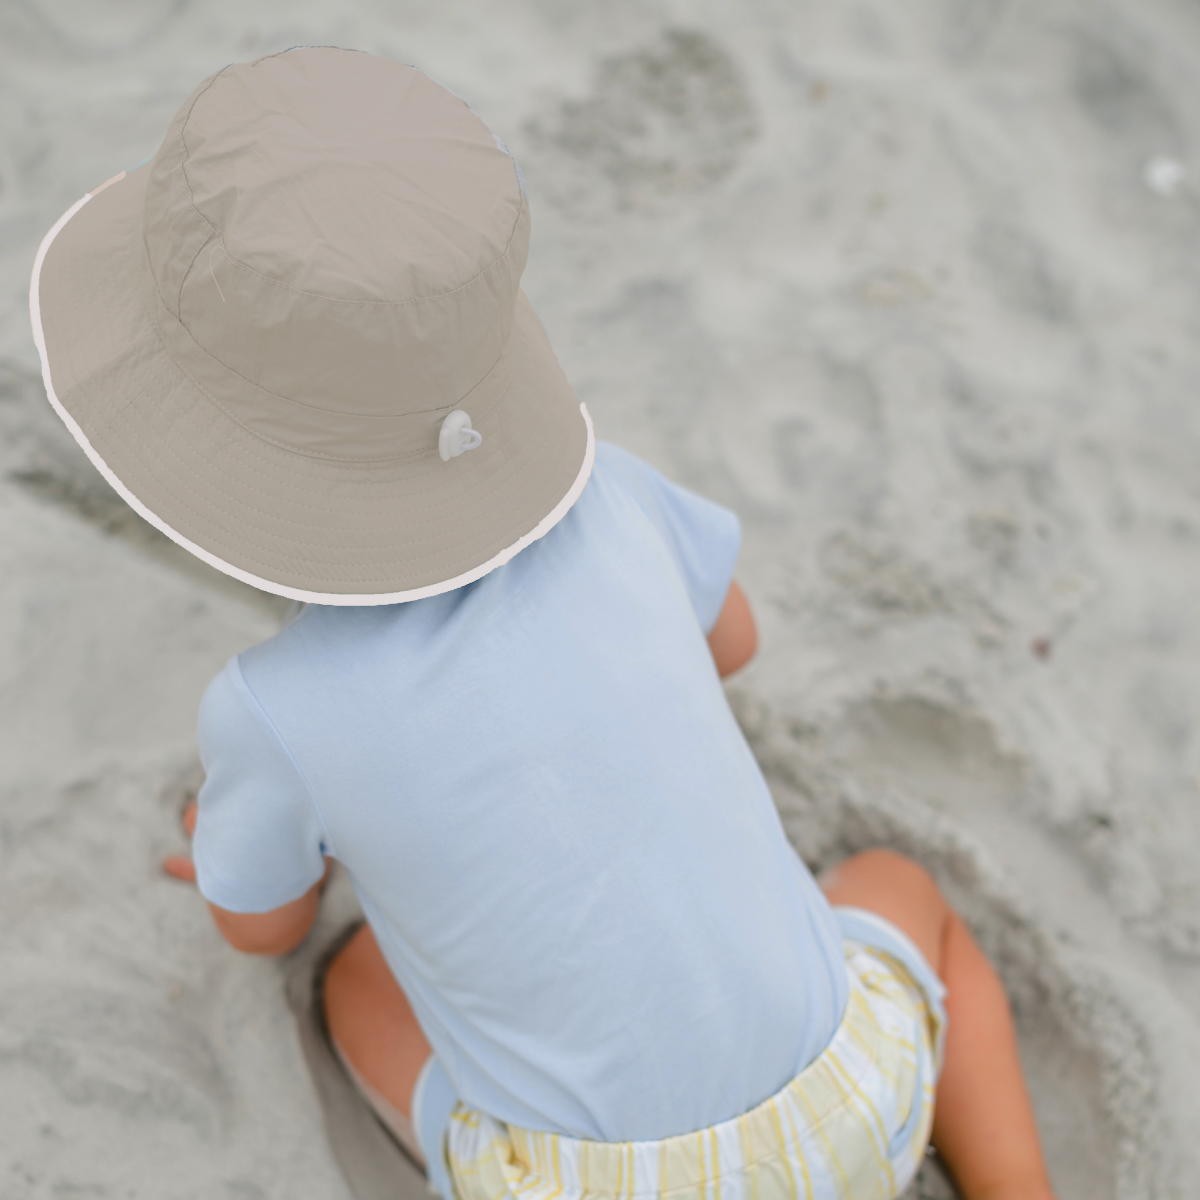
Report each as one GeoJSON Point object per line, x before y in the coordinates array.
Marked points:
{"type": "Point", "coordinates": [555, 826]}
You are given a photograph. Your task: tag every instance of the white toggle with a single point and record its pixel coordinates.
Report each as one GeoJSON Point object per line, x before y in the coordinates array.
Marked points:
{"type": "Point", "coordinates": [457, 435]}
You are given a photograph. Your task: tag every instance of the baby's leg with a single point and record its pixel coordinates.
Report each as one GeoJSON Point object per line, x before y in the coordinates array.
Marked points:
{"type": "Point", "coordinates": [372, 1023]}
{"type": "Point", "coordinates": [983, 1123]}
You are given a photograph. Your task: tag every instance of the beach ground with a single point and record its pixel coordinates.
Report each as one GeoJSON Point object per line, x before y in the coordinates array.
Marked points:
{"type": "Point", "coordinates": [916, 291]}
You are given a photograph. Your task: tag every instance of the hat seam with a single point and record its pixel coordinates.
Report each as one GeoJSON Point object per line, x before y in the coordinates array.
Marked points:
{"type": "Point", "coordinates": [522, 207]}
{"type": "Point", "coordinates": [237, 262]}
{"type": "Point", "coordinates": [191, 197]}
{"type": "Point", "coordinates": [109, 427]}
{"type": "Point", "coordinates": [369, 573]}
{"type": "Point", "coordinates": [379, 459]}
{"type": "Point", "coordinates": [156, 378]}
{"type": "Point", "coordinates": [189, 507]}
{"type": "Point", "coordinates": [155, 381]}
{"type": "Point", "coordinates": [212, 536]}
{"type": "Point", "coordinates": [300, 403]}
{"type": "Point", "coordinates": [293, 487]}
{"type": "Point", "coordinates": [161, 378]}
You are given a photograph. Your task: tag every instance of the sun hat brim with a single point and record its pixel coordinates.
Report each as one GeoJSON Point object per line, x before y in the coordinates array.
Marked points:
{"type": "Point", "coordinates": [308, 526]}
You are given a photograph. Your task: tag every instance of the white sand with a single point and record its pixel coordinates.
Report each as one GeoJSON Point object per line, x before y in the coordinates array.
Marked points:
{"type": "Point", "coordinates": [912, 287]}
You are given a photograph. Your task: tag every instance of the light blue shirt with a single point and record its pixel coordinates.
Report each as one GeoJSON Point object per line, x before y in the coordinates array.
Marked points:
{"type": "Point", "coordinates": [557, 831]}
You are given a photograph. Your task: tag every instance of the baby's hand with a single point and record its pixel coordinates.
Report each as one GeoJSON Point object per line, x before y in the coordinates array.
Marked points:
{"type": "Point", "coordinates": [180, 865]}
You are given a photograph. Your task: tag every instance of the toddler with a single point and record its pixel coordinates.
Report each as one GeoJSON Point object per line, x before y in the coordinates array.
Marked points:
{"type": "Point", "coordinates": [592, 965]}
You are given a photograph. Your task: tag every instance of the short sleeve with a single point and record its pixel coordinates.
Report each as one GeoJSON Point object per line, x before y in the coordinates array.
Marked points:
{"type": "Point", "coordinates": [259, 842]}
{"type": "Point", "coordinates": [703, 538]}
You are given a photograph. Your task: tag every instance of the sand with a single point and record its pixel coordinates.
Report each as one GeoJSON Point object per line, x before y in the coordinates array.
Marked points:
{"type": "Point", "coordinates": [912, 288]}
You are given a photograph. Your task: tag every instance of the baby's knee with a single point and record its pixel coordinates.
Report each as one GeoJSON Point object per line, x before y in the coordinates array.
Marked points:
{"type": "Point", "coordinates": [882, 865]}
{"type": "Point", "coordinates": [893, 885]}
{"type": "Point", "coordinates": [902, 868]}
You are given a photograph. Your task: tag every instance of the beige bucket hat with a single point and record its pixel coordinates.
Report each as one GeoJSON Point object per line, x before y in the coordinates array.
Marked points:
{"type": "Point", "coordinates": [296, 343]}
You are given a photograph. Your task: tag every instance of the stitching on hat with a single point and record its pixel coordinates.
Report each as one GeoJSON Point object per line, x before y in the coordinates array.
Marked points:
{"type": "Point", "coordinates": [153, 381]}
{"type": "Point", "coordinates": [187, 154]}
{"type": "Point", "coordinates": [165, 374]}
{"type": "Point", "coordinates": [472, 486]}
{"type": "Point", "coordinates": [301, 573]}
{"type": "Point", "coordinates": [109, 426]}
{"type": "Point", "coordinates": [262, 437]}
{"type": "Point", "coordinates": [521, 210]}
{"type": "Point", "coordinates": [523, 207]}
{"type": "Point", "coordinates": [134, 394]}
{"type": "Point", "coordinates": [214, 537]}
{"type": "Point", "coordinates": [283, 445]}
{"type": "Point", "coordinates": [376, 303]}
{"type": "Point", "coordinates": [239, 549]}
{"type": "Point", "coordinates": [464, 497]}
{"type": "Point", "coordinates": [300, 403]}
{"type": "Point", "coordinates": [243, 551]}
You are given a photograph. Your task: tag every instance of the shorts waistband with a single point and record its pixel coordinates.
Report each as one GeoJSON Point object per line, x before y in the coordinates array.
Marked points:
{"type": "Point", "coordinates": [860, 1111]}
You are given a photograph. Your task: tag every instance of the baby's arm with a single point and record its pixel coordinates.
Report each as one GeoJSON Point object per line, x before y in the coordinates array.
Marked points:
{"type": "Point", "coordinates": [733, 638]}
{"type": "Point", "coordinates": [274, 932]}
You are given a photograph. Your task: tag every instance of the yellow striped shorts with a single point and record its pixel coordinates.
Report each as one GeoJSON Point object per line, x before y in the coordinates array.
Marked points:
{"type": "Point", "coordinates": [853, 1125]}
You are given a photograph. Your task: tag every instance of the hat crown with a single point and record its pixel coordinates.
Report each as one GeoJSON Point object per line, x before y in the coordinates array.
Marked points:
{"type": "Point", "coordinates": [338, 232]}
